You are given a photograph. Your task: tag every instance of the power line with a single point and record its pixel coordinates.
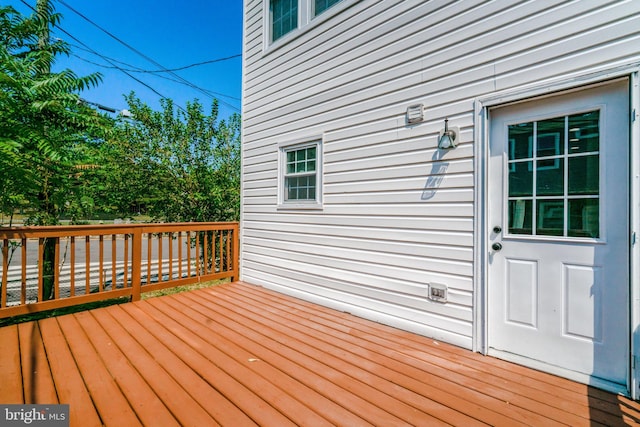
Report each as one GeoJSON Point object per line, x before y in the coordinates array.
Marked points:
{"type": "Point", "coordinates": [135, 69]}
{"type": "Point", "coordinates": [106, 59]}
{"type": "Point", "coordinates": [163, 68]}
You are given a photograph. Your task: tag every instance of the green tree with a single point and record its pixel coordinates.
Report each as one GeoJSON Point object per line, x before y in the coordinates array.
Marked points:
{"type": "Point", "coordinates": [180, 165]}
{"type": "Point", "coordinates": [43, 123]}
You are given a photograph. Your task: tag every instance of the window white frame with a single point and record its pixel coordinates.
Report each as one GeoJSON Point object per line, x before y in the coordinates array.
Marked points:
{"type": "Point", "coordinates": [287, 147]}
{"type": "Point", "coordinates": [306, 17]}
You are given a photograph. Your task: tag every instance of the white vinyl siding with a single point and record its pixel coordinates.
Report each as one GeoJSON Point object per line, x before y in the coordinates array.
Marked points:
{"type": "Point", "coordinates": [397, 212]}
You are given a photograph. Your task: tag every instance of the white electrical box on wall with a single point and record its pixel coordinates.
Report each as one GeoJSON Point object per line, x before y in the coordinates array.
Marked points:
{"type": "Point", "coordinates": [438, 292]}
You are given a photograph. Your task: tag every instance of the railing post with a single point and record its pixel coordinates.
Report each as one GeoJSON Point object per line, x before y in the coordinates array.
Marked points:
{"type": "Point", "coordinates": [236, 253]}
{"type": "Point", "coordinates": [136, 264]}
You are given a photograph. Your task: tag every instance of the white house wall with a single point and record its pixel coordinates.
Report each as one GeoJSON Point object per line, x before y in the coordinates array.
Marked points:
{"type": "Point", "coordinates": [397, 212]}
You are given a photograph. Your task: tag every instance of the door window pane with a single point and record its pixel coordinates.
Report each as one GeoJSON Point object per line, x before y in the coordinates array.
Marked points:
{"type": "Point", "coordinates": [550, 177]}
{"type": "Point", "coordinates": [521, 141]}
{"type": "Point", "coordinates": [550, 217]}
{"type": "Point", "coordinates": [584, 175]}
{"type": "Point", "coordinates": [584, 218]}
{"type": "Point", "coordinates": [550, 137]}
{"type": "Point", "coordinates": [584, 132]}
{"type": "Point", "coordinates": [520, 215]}
{"type": "Point", "coordinates": [520, 179]}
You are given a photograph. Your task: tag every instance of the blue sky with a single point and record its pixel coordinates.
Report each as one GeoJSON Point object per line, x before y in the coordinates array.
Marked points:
{"type": "Point", "coordinates": [174, 34]}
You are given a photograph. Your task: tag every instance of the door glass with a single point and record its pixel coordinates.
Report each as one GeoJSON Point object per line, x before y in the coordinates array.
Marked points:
{"type": "Point", "coordinates": [554, 176]}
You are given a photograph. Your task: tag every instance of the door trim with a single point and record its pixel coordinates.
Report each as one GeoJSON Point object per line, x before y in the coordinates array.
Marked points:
{"type": "Point", "coordinates": [481, 244]}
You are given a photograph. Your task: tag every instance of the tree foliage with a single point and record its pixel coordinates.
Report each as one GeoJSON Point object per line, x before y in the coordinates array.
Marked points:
{"type": "Point", "coordinates": [44, 126]}
{"type": "Point", "coordinates": [176, 165]}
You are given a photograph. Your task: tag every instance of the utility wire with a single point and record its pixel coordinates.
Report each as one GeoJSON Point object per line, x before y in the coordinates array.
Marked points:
{"type": "Point", "coordinates": [164, 69]}
{"type": "Point", "coordinates": [134, 69]}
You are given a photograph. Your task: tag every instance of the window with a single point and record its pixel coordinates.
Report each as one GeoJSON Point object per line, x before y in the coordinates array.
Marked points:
{"type": "Point", "coordinates": [554, 176]}
{"type": "Point", "coordinates": [287, 15]}
{"type": "Point", "coordinates": [284, 17]}
{"type": "Point", "coordinates": [301, 179]}
{"type": "Point", "coordinates": [322, 5]}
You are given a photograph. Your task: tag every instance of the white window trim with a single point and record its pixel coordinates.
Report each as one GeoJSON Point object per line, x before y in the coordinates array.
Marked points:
{"type": "Point", "coordinates": [306, 21]}
{"type": "Point", "coordinates": [283, 148]}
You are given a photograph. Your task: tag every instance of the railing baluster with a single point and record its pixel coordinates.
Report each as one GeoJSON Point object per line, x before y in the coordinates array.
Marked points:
{"type": "Point", "coordinates": [188, 254]}
{"type": "Point", "coordinates": [72, 267]}
{"type": "Point", "coordinates": [159, 257]}
{"type": "Point", "coordinates": [40, 269]}
{"type": "Point", "coordinates": [198, 272]}
{"type": "Point", "coordinates": [205, 252]}
{"type": "Point", "coordinates": [23, 282]}
{"type": "Point", "coordinates": [148, 258]}
{"type": "Point", "coordinates": [114, 283]}
{"type": "Point", "coordinates": [125, 277]}
{"type": "Point", "coordinates": [228, 250]}
{"type": "Point", "coordinates": [101, 263]}
{"type": "Point", "coordinates": [180, 254]}
{"type": "Point", "coordinates": [87, 265]}
{"type": "Point", "coordinates": [56, 269]}
{"type": "Point", "coordinates": [170, 239]}
{"type": "Point", "coordinates": [5, 272]}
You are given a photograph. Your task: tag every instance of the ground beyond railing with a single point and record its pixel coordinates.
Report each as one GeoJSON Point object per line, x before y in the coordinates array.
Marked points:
{"type": "Point", "coordinates": [99, 262]}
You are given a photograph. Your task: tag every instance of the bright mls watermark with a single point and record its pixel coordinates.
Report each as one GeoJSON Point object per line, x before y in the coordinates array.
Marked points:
{"type": "Point", "coordinates": [34, 415]}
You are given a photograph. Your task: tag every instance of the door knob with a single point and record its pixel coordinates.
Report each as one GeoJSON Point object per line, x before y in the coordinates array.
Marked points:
{"type": "Point", "coordinates": [496, 246]}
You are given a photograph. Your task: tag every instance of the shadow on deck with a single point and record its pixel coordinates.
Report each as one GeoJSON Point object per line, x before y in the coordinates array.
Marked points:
{"type": "Point", "coordinates": [239, 355]}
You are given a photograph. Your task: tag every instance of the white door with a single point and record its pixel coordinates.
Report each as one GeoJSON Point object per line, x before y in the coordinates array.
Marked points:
{"type": "Point", "coordinates": [558, 288]}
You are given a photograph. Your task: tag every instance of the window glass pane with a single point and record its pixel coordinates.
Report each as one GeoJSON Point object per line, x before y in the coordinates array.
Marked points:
{"type": "Point", "coordinates": [584, 218]}
{"type": "Point", "coordinates": [520, 179]}
{"type": "Point", "coordinates": [311, 153]}
{"type": "Point", "coordinates": [584, 132]}
{"type": "Point", "coordinates": [520, 215]}
{"type": "Point", "coordinates": [550, 177]}
{"type": "Point", "coordinates": [284, 17]}
{"type": "Point", "coordinates": [521, 141]}
{"type": "Point", "coordinates": [322, 5]}
{"type": "Point", "coordinates": [300, 187]}
{"type": "Point", "coordinates": [550, 217]}
{"type": "Point", "coordinates": [550, 137]}
{"type": "Point", "coordinates": [301, 155]}
{"type": "Point", "coordinates": [584, 175]}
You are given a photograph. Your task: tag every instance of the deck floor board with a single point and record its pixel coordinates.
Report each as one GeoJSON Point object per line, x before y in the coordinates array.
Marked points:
{"type": "Point", "coordinates": [241, 355]}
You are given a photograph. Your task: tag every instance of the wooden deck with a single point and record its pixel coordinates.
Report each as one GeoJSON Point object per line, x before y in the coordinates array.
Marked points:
{"type": "Point", "coordinates": [240, 355]}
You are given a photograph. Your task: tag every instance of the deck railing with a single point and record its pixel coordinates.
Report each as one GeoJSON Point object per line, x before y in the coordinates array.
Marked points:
{"type": "Point", "coordinates": [45, 268]}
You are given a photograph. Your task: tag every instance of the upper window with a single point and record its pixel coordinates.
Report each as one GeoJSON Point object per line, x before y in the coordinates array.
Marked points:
{"type": "Point", "coordinates": [287, 15]}
{"type": "Point", "coordinates": [301, 178]}
{"type": "Point", "coordinates": [322, 5]}
{"type": "Point", "coordinates": [284, 17]}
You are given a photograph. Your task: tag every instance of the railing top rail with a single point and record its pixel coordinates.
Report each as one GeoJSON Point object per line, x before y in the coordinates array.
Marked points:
{"type": "Point", "coordinates": [104, 229]}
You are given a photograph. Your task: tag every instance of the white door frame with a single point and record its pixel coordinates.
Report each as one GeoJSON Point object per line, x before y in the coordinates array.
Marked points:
{"type": "Point", "coordinates": [481, 243]}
